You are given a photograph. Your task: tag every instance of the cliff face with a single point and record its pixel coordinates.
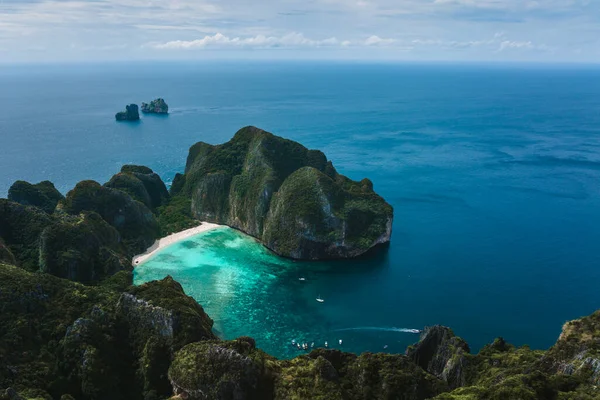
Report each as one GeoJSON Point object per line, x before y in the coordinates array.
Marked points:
{"type": "Point", "coordinates": [289, 197]}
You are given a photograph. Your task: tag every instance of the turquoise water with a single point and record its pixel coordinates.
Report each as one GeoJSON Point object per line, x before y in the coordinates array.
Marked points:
{"type": "Point", "coordinates": [493, 172]}
{"type": "Point", "coordinates": [248, 290]}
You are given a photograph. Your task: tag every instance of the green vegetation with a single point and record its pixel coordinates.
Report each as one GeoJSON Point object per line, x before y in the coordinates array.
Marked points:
{"type": "Point", "coordinates": [289, 197]}
{"type": "Point", "coordinates": [43, 195]}
{"type": "Point", "coordinates": [132, 219]}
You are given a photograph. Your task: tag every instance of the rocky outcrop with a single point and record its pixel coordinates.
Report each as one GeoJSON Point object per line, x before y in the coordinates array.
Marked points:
{"type": "Point", "coordinates": [20, 229]}
{"type": "Point", "coordinates": [218, 370]}
{"type": "Point", "coordinates": [81, 248]}
{"type": "Point", "coordinates": [65, 339]}
{"type": "Point", "coordinates": [442, 354]}
{"type": "Point", "coordinates": [43, 195]}
{"type": "Point", "coordinates": [577, 351]}
{"type": "Point", "coordinates": [142, 184]}
{"type": "Point", "coordinates": [289, 197]}
{"type": "Point", "coordinates": [157, 106]}
{"type": "Point", "coordinates": [131, 113]}
{"type": "Point", "coordinates": [133, 220]}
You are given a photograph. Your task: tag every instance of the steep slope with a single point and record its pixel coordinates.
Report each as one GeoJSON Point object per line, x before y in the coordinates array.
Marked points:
{"type": "Point", "coordinates": [289, 197]}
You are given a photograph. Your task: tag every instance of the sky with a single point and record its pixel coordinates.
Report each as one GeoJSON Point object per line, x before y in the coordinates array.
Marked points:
{"type": "Point", "coordinates": [364, 30]}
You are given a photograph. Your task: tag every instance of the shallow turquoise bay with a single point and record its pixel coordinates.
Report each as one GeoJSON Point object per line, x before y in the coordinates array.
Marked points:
{"type": "Point", "coordinates": [249, 291]}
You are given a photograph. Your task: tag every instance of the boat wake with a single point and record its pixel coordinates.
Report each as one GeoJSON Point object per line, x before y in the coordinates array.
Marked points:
{"type": "Point", "coordinates": [375, 328]}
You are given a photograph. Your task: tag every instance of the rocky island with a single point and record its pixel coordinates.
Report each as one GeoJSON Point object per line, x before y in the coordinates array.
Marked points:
{"type": "Point", "coordinates": [290, 198]}
{"type": "Point", "coordinates": [72, 325]}
{"type": "Point", "coordinates": [157, 106]}
{"type": "Point", "coordinates": [131, 113]}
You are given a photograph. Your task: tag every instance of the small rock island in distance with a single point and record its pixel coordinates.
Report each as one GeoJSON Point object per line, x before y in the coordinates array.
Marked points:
{"type": "Point", "coordinates": [157, 106]}
{"type": "Point", "coordinates": [131, 113]}
{"type": "Point", "coordinates": [73, 326]}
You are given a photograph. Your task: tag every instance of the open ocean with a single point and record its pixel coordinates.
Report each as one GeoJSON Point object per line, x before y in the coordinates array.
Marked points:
{"type": "Point", "coordinates": [493, 172]}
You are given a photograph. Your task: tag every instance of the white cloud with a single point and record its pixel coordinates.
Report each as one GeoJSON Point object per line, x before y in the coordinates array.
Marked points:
{"type": "Point", "coordinates": [259, 41]}
{"type": "Point", "coordinates": [377, 41]}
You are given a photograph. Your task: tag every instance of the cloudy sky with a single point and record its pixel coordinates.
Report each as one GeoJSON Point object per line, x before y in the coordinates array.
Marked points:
{"type": "Point", "coordinates": [416, 30]}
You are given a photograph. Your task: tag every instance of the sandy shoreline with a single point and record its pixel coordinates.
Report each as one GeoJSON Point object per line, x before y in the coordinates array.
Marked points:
{"type": "Point", "coordinates": [169, 240]}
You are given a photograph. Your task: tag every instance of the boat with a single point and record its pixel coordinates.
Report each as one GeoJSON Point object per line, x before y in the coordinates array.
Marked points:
{"type": "Point", "coordinates": [340, 342]}
{"type": "Point", "coordinates": [319, 299]}
{"type": "Point", "coordinates": [416, 331]}
{"type": "Point", "coordinates": [301, 279]}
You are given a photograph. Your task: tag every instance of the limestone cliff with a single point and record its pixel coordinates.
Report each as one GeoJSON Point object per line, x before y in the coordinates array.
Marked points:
{"type": "Point", "coordinates": [289, 197]}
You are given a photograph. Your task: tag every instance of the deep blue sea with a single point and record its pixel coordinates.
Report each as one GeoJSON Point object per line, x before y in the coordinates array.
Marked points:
{"type": "Point", "coordinates": [493, 172]}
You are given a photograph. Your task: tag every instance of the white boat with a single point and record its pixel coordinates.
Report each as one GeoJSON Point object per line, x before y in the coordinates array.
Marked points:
{"type": "Point", "coordinates": [301, 279]}
{"type": "Point", "coordinates": [413, 331]}
{"type": "Point", "coordinates": [319, 299]}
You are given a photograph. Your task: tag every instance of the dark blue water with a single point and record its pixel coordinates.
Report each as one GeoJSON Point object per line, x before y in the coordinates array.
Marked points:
{"type": "Point", "coordinates": [494, 173]}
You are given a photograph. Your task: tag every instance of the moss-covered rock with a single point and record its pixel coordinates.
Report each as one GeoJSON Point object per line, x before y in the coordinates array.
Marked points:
{"type": "Point", "coordinates": [132, 219]}
{"type": "Point", "coordinates": [43, 195]}
{"type": "Point", "coordinates": [35, 312]}
{"type": "Point", "coordinates": [442, 354]}
{"type": "Point", "coordinates": [131, 113]}
{"type": "Point", "coordinates": [289, 197]}
{"type": "Point", "coordinates": [217, 370]}
{"type": "Point", "coordinates": [20, 228]}
{"type": "Point", "coordinates": [157, 106]}
{"type": "Point", "coordinates": [577, 350]}
{"type": "Point", "coordinates": [160, 319]}
{"type": "Point", "coordinates": [142, 184]}
{"type": "Point", "coordinates": [82, 248]}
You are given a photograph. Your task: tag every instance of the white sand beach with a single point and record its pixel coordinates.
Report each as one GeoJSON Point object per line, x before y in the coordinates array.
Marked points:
{"type": "Point", "coordinates": [169, 240]}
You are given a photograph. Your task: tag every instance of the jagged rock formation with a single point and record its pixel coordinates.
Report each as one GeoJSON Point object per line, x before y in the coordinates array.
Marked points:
{"type": "Point", "coordinates": [442, 354]}
{"type": "Point", "coordinates": [43, 195]}
{"type": "Point", "coordinates": [577, 351]}
{"type": "Point", "coordinates": [289, 197]}
{"type": "Point", "coordinates": [142, 184]}
{"type": "Point", "coordinates": [131, 113]}
{"type": "Point", "coordinates": [132, 219]}
{"type": "Point", "coordinates": [157, 106]}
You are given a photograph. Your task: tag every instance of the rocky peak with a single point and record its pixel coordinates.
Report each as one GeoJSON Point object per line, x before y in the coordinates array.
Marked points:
{"type": "Point", "coordinates": [131, 113]}
{"type": "Point", "coordinates": [157, 106]}
{"type": "Point", "coordinates": [442, 354]}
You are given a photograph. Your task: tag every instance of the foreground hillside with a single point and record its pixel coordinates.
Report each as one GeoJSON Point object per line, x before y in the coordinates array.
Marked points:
{"type": "Point", "coordinates": [63, 340]}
